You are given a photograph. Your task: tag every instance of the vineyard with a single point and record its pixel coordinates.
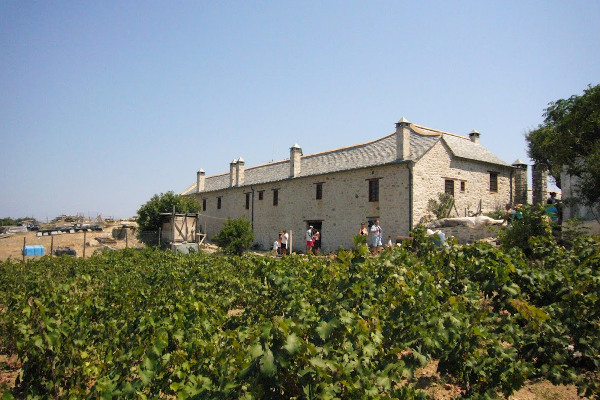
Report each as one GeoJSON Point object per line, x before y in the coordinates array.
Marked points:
{"type": "Point", "coordinates": [153, 324]}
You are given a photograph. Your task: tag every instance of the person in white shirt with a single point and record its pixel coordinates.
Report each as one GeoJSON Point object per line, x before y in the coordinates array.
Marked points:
{"type": "Point", "coordinates": [377, 235]}
{"type": "Point", "coordinates": [284, 242]}
{"type": "Point", "coordinates": [309, 240]}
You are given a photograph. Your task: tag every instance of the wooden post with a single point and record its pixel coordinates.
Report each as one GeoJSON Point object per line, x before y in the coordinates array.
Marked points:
{"type": "Point", "coordinates": [52, 247]}
{"type": "Point", "coordinates": [84, 238]}
{"type": "Point", "coordinates": [23, 251]}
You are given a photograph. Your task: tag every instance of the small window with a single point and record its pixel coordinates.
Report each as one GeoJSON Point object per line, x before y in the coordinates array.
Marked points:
{"type": "Point", "coordinates": [319, 189]}
{"type": "Point", "coordinates": [275, 197]}
{"type": "Point", "coordinates": [247, 201]}
{"type": "Point", "coordinates": [261, 194]}
{"type": "Point", "coordinates": [449, 187]}
{"type": "Point", "coordinates": [374, 190]}
{"type": "Point", "coordinates": [218, 203]}
{"type": "Point", "coordinates": [463, 186]}
{"type": "Point", "coordinates": [493, 182]}
{"type": "Point", "coordinates": [203, 204]}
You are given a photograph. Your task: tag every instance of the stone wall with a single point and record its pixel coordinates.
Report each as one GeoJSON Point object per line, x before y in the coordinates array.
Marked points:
{"type": "Point", "coordinates": [438, 165]}
{"type": "Point", "coordinates": [464, 234]}
{"type": "Point", "coordinates": [344, 205]}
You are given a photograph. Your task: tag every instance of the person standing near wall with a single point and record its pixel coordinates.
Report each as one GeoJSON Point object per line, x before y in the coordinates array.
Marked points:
{"type": "Point", "coordinates": [377, 235]}
{"type": "Point", "coordinates": [309, 240]}
{"type": "Point", "coordinates": [284, 242]}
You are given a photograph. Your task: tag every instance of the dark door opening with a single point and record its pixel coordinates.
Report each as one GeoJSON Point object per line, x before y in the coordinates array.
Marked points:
{"type": "Point", "coordinates": [317, 225]}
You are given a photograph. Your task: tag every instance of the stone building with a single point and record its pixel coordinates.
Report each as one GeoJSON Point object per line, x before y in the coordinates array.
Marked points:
{"type": "Point", "coordinates": [391, 179]}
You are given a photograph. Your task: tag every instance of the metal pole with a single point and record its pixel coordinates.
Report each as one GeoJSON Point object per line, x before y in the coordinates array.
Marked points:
{"type": "Point", "coordinates": [51, 246]}
{"type": "Point", "coordinates": [84, 237]}
{"type": "Point", "coordinates": [24, 242]}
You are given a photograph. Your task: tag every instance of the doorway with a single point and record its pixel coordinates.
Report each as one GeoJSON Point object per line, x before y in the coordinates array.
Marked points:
{"type": "Point", "coordinates": [317, 226]}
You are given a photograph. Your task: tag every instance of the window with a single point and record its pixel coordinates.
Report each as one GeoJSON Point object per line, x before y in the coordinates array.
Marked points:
{"type": "Point", "coordinates": [319, 189]}
{"type": "Point", "coordinates": [247, 201]}
{"type": "Point", "coordinates": [275, 197]}
{"type": "Point", "coordinates": [218, 203]}
{"type": "Point", "coordinates": [373, 189]}
{"type": "Point", "coordinates": [493, 182]}
{"type": "Point", "coordinates": [449, 187]}
{"type": "Point", "coordinates": [463, 186]}
{"type": "Point", "coordinates": [261, 194]}
{"type": "Point", "coordinates": [203, 204]}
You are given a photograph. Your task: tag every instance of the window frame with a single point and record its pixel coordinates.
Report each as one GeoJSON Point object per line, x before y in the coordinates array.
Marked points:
{"type": "Point", "coordinates": [247, 205]}
{"type": "Point", "coordinates": [373, 190]}
{"type": "Point", "coordinates": [275, 197]}
{"type": "Point", "coordinates": [449, 187]}
{"type": "Point", "coordinates": [493, 182]}
{"type": "Point", "coordinates": [219, 202]}
{"type": "Point", "coordinates": [261, 194]}
{"type": "Point", "coordinates": [319, 191]}
{"type": "Point", "coordinates": [203, 204]}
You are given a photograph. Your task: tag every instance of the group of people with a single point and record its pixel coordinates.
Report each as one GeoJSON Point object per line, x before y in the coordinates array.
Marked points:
{"type": "Point", "coordinates": [280, 246]}
{"type": "Point", "coordinates": [313, 240]}
{"type": "Point", "coordinates": [377, 236]}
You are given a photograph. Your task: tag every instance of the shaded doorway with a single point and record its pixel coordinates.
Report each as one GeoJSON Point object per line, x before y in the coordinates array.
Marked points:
{"type": "Point", "coordinates": [317, 226]}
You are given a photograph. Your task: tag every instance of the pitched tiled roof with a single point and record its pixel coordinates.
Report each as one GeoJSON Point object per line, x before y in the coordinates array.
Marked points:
{"type": "Point", "coordinates": [377, 152]}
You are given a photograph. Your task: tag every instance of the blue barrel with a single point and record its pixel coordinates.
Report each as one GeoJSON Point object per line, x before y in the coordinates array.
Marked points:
{"type": "Point", "coordinates": [37, 250]}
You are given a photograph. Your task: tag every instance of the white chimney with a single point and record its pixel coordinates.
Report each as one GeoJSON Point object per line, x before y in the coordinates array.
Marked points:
{"type": "Point", "coordinates": [232, 173]}
{"type": "Point", "coordinates": [200, 180]}
{"type": "Point", "coordinates": [402, 139]}
{"type": "Point", "coordinates": [239, 172]}
{"type": "Point", "coordinates": [474, 135]}
{"type": "Point", "coordinates": [295, 160]}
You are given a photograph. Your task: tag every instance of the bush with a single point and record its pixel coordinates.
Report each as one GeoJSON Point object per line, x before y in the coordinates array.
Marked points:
{"type": "Point", "coordinates": [235, 237]}
{"type": "Point", "coordinates": [530, 231]}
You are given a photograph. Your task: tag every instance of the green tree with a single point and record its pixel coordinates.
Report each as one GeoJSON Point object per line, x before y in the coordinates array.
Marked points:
{"type": "Point", "coordinates": [149, 213]}
{"type": "Point", "coordinates": [236, 236]}
{"type": "Point", "coordinates": [570, 138]}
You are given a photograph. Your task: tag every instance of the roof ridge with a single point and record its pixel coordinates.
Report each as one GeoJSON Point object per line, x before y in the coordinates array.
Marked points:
{"type": "Point", "coordinates": [441, 132]}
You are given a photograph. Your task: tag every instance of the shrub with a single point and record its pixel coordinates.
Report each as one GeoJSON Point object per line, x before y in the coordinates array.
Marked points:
{"type": "Point", "coordinates": [530, 231]}
{"type": "Point", "coordinates": [235, 237]}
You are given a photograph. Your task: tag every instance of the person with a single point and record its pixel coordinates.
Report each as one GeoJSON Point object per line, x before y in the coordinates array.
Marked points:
{"type": "Point", "coordinates": [284, 242]}
{"type": "Point", "coordinates": [512, 213]}
{"type": "Point", "coordinates": [389, 242]}
{"type": "Point", "coordinates": [552, 198]}
{"type": "Point", "coordinates": [363, 231]}
{"type": "Point", "coordinates": [316, 239]}
{"type": "Point", "coordinates": [377, 235]}
{"type": "Point", "coordinates": [309, 240]}
{"type": "Point", "coordinates": [276, 245]}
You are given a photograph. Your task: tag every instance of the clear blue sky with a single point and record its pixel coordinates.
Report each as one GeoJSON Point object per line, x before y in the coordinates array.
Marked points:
{"type": "Point", "coordinates": [103, 104]}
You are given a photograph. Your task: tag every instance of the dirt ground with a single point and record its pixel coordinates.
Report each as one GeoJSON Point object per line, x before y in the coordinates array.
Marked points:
{"type": "Point", "coordinates": [10, 247]}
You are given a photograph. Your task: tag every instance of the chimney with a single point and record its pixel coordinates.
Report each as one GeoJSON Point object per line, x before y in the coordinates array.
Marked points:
{"type": "Point", "coordinates": [200, 179]}
{"type": "Point", "coordinates": [402, 139]}
{"type": "Point", "coordinates": [520, 182]}
{"type": "Point", "coordinates": [239, 172]}
{"type": "Point", "coordinates": [539, 183]}
{"type": "Point", "coordinates": [474, 135]}
{"type": "Point", "coordinates": [232, 173]}
{"type": "Point", "coordinates": [295, 160]}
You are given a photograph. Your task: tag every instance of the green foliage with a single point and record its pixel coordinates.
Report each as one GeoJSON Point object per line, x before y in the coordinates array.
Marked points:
{"type": "Point", "coordinates": [149, 213]}
{"type": "Point", "coordinates": [570, 137]}
{"type": "Point", "coordinates": [14, 222]}
{"type": "Point", "coordinates": [235, 237]}
{"type": "Point", "coordinates": [440, 208]}
{"type": "Point", "coordinates": [530, 232]}
{"type": "Point", "coordinates": [153, 324]}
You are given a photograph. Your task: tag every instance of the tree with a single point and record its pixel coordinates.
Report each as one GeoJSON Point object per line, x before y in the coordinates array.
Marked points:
{"type": "Point", "coordinates": [149, 213]}
{"type": "Point", "coordinates": [236, 236]}
{"type": "Point", "coordinates": [570, 138]}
